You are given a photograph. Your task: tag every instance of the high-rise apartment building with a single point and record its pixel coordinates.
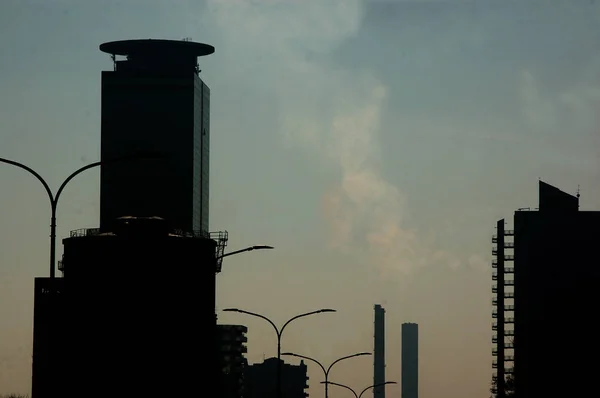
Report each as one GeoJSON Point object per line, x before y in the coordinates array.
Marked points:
{"type": "Point", "coordinates": [231, 341]}
{"type": "Point", "coordinates": [410, 360]}
{"type": "Point", "coordinates": [155, 102]}
{"type": "Point", "coordinates": [552, 280]}
{"type": "Point", "coordinates": [379, 352]}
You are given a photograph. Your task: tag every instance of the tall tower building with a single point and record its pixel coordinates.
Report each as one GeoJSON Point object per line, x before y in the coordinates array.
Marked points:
{"type": "Point", "coordinates": [379, 352]}
{"type": "Point", "coordinates": [545, 267]}
{"type": "Point", "coordinates": [410, 360]}
{"type": "Point", "coordinates": [154, 101]}
{"type": "Point", "coordinates": [139, 292]}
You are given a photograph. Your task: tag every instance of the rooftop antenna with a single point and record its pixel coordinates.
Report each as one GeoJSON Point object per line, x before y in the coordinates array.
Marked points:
{"type": "Point", "coordinates": [578, 196]}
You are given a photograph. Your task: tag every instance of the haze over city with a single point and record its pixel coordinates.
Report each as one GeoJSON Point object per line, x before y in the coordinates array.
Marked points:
{"type": "Point", "coordinates": [374, 144]}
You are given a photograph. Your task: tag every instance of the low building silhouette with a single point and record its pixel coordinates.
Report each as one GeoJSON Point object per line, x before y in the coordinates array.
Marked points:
{"type": "Point", "coordinates": [48, 337]}
{"type": "Point", "coordinates": [260, 379]}
{"type": "Point", "coordinates": [133, 311]}
{"type": "Point", "coordinates": [230, 340]}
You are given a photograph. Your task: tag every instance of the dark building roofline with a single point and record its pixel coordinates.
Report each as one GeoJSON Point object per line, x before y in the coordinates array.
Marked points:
{"type": "Point", "coordinates": [553, 199]}
{"type": "Point", "coordinates": [156, 47]}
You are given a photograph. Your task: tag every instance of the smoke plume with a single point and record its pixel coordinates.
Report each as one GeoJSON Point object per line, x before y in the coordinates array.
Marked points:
{"type": "Point", "coordinates": [332, 112]}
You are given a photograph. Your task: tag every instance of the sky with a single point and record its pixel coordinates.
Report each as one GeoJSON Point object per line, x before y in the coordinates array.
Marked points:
{"type": "Point", "coordinates": [374, 143]}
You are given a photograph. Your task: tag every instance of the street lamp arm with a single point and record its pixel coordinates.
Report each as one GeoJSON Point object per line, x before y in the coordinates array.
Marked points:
{"type": "Point", "coordinates": [237, 252]}
{"type": "Point", "coordinates": [33, 173]}
{"type": "Point", "coordinates": [341, 385]}
{"type": "Point", "coordinates": [54, 198]}
{"type": "Point", "coordinates": [375, 385]}
{"type": "Point", "coordinates": [73, 175]}
{"type": "Point", "coordinates": [256, 315]}
{"type": "Point", "coordinates": [302, 316]}
{"type": "Point", "coordinates": [309, 359]}
{"type": "Point", "coordinates": [248, 249]}
{"type": "Point", "coordinates": [358, 354]}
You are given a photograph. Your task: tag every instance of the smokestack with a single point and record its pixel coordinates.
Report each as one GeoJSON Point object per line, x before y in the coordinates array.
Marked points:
{"type": "Point", "coordinates": [410, 360]}
{"type": "Point", "coordinates": [379, 352]}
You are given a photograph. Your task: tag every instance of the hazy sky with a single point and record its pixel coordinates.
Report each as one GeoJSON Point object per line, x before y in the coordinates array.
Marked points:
{"type": "Point", "coordinates": [374, 143]}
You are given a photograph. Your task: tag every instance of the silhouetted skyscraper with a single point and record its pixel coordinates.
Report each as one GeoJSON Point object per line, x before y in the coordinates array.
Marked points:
{"type": "Point", "coordinates": [410, 360]}
{"type": "Point", "coordinates": [155, 101]}
{"type": "Point", "coordinates": [137, 297]}
{"type": "Point", "coordinates": [379, 352]}
{"type": "Point", "coordinates": [556, 273]}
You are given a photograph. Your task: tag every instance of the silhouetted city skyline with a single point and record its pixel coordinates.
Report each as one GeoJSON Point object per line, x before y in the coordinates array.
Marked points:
{"type": "Point", "coordinates": [375, 145]}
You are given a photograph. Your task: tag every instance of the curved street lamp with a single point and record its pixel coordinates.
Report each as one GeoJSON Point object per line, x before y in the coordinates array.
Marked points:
{"type": "Point", "coordinates": [248, 249]}
{"type": "Point", "coordinates": [326, 371]}
{"type": "Point", "coordinates": [55, 196]}
{"type": "Point", "coordinates": [363, 391]}
{"type": "Point", "coordinates": [279, 331]}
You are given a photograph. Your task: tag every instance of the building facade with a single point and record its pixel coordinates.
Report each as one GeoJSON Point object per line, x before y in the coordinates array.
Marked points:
{"type": "Point", "coordinates": [260, 380]}
{"type": "Point", "coordinates": [154, 102]}
{"type": "Point", "coordinates": [555, 277]}
{"type": "Point", "coordinates": [379, 352]}
{"type": "Point", "coordinates": [134, 305]}
{"type": "Point", "coordinates": [231, 341]}
{"type": "Point", "coordinates": [410, 360]}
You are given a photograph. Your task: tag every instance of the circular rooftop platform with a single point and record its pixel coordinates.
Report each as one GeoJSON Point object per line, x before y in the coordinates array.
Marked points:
{"type": "Point", "coordinates": [152, 46]}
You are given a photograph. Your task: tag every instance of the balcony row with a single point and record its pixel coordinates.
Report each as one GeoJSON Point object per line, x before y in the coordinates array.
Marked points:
{"type": "Point", "coordinates": [506, 343]}
{"type": "Point", "coordinates": [507, 333]}
{"type": "Point", "coordinates": [506, 283]}
{"type": "Point", "coordinates": [507, 321]}
{"type": "Point", "coordinates": [495, 351]}
{"type": "Point", "coordinates": [508, 358]}
{"type": "Point", "coordinates": [507, 270]}
{"type": "Point", "coordinates": [507, 245]}
{"type": "Point", "coordinates": [507, 232]}
{"type": "Point", "coordinates": [507, 307]}
{"type": "Point", "coordinates": [507, 257]}
{"type": "Point", "coordinates": [507, 295]}
{"type": "Point", "coordinates": [506, 370]}
{"type": "Point", "coordinates": [495, 314]}
{"type": "Point", "coordinates": [495, 378]}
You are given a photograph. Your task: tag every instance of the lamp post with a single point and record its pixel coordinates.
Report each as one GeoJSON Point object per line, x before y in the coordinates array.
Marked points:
{"type": "Point", "coordinates": [326, 371]}
{"type": "Point", "coordinates": [279, 331]}
{"type": "Point", "coordinates": [55, 196]}
{"type": "Point", "coordinates": [248, 249]}
{"type": "Point", "coordinates": [363, 391]}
